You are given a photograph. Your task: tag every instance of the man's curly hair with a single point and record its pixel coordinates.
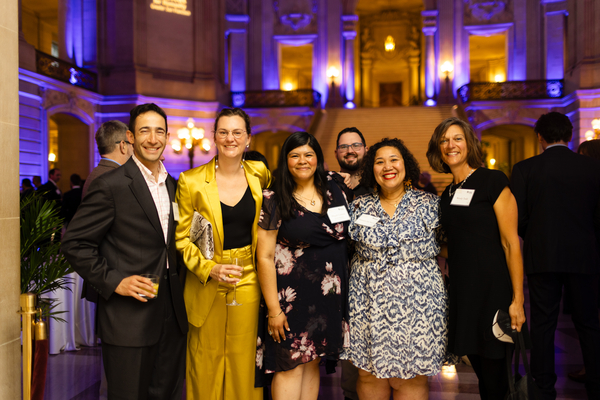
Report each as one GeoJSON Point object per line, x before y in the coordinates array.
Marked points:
{"type": "Point", "coordinates": [411, 166]}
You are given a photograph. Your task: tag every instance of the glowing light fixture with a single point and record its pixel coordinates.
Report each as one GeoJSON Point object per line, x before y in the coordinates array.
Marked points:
{"type": "Point", "coordinates": [492, 161]}
{"type": "Point", "coordinates": [51, 157]}
{"type": "Point", "coordinates": [332, 72]}
{"type": "Point", "coordinates": [287, 86]}
{"type": "Point", "coordinates": [499, 78]}
{"type": "Point", "coordinates": [447, 68]}
{"type": "Point", "coordinates": [589, 135]}
{"type": "Point", "coordinates": [190, 137]}
{"type": "Point", "coordinates": [390, 45]}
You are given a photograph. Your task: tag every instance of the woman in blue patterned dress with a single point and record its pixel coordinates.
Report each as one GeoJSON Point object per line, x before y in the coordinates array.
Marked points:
{"type": "Point", "coordinates": [398, 303]}
{"type": "Point", "coordinates": [302, 269]}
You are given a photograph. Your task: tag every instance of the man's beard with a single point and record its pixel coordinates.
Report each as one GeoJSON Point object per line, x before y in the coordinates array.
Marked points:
{"type": "Point", "coordinates": [349, 167]}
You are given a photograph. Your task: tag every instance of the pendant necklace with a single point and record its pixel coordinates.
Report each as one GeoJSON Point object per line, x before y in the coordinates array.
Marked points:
{"type": "Point", "coordinates": [461, 184]}
{"type": "Point", "coordinates": [312, 200]}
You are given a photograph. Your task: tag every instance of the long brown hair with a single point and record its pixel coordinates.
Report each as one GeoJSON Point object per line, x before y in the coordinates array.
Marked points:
{"type": "Point", "coordinates": [434, 153]}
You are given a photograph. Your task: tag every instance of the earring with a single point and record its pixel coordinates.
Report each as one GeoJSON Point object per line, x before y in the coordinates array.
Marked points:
{"type": "Point", "coordinates": [243, 159]}
{"type": "Point", "coordinates": [217, 162]}
{"type": "Point", "coordinates": [408, 184]}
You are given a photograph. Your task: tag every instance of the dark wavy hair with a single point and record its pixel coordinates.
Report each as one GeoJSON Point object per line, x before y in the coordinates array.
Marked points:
{"type": "Point", "coordinates": [231, 112]}
{"type": "Point", "coordinates": [434, 152]}
{"type": "Point", "coordinates": [411, 166]}
{"type": "Point", "coordinates": [590, 148]}
{"type": "Point", "coordinates": [285, 185]}
{"type": "Point", "coordinates": [142, 109]}
{"type": "Point", "coordinates": [554, 127]}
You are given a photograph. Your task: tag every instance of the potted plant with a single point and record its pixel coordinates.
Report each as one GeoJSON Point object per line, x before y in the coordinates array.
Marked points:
{"type": "Point", "coordinates": [43, 267]}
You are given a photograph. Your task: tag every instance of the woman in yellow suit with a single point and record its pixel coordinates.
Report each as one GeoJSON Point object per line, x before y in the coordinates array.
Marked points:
{"type": "Point", "coordinates": [227, 191]}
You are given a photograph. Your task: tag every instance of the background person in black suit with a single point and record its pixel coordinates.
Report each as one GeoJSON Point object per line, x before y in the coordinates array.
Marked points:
{"type": "Point", "coordinates": [125, 227]}
{"type": "Point", "coordinates": [71, 199]}
{"type": "Point", "coordinates": [558, 196]}
{"type": "Point", "coordinates": [113, 147]}
{"type": "Point", "coordinates": [50, 190]}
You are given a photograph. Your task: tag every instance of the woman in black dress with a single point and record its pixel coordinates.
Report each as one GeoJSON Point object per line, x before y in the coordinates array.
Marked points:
{"type": "Point", "coordinates": [302, 269]}
{"type": "Point", "coordinates": [479, 217]}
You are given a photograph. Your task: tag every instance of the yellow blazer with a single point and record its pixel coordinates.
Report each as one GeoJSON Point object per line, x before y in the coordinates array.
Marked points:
{"type": "Point", "coordinates": [197, 191]}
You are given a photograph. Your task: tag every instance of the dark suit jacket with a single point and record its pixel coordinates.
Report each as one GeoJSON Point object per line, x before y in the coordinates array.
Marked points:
{"type": "Point", "coordinates": [50, 192]}
{"type": "Point", "coordinates": [70, 203]}
{"type": "Point", "coordinates": [102, 167]}
{"type": "Point", "coordinates": [558, 195]}
{"type": "Point", "coordinates": [116, 233]}
{"type": "Point", "coordinates": [87, 291]}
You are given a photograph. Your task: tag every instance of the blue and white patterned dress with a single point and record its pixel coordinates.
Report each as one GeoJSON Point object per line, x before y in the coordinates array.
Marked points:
{"type": "Point", "coordinates": [398, 302]}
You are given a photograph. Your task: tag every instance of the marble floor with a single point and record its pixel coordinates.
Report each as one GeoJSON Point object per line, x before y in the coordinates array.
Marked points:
{"type": "Point", "coordinates": [76, 375]}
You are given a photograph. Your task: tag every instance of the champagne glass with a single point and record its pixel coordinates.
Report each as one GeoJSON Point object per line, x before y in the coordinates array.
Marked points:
{"type": "Point", "coordinates": [235, 261]}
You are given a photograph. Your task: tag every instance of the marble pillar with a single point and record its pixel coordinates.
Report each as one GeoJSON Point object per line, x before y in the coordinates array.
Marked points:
{"type": "Point", "coordinates": [555, 33]}
{"type": "Point", "coordinates": [10, 331]}
{"type": "Point", "coordinates": [237, 39]}
{"type": "Point", "coordinates": [413, 79]}
{"type": "Point", "coordinates": [429, 30]}
{"type": "Point", "coordinates": [349, 35]}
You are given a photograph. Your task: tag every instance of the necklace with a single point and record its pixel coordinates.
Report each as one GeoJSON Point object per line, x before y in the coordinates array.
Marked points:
{"type": "Point", "coordinates": [461, 184]}
{"type": "Point", "coordinates": [396, 202]}
{"type": "Point", "coordinates": [312, 199]}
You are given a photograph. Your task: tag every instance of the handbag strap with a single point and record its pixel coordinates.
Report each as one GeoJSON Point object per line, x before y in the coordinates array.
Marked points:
{"type": "Point", "coordinates": [508, 358]}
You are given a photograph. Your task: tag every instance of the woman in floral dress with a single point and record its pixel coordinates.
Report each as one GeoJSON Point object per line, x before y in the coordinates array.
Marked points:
{"type": "Point", "coordinates": [398, 303]}
{"type": "Point", "coordinates": [302, 269]}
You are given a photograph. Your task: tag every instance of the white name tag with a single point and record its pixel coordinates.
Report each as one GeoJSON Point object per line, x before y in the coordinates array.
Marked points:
{"type": "Point", "coordinates": [367, 220]}
{"type": "Point", "coordinates": [175, 212]}
{"type": "Point", "coordinates": [462, 197]}
{"type": "Point", "coordinates": [338, 214]}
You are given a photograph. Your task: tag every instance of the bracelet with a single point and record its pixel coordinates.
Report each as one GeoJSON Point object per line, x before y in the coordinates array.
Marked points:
{"type": "Point", "coordinates": [275, 316]}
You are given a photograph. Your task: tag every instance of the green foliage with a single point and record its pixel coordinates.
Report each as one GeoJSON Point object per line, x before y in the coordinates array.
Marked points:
{"type": "Point", "coordinates": [43, 267]}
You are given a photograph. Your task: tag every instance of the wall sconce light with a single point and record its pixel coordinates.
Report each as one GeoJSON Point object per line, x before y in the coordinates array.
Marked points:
{"type": "Point", "coordinates": [447, 68]}
{"type": "Point", "coordinates": [389, 44]}
{"type": "Point", "coordinates": [332, 72]}
{"type": "Point", "coordinates": [288, 86]}
{"type": "Point", "coordinates": [492, 161]}
{"type": "Point", "coordinates": [51, 157]}
{"type": "Point", "coordinates": [190, 138]}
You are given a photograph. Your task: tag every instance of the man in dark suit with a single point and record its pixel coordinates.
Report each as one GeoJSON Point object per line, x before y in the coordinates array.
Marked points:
{"type": "Point", "coordinates": [113, 147]}
{"type": "Point", "coordinates": [71, 199]}
{"type": "Point", "coordinates": [558, 196]}
{"type": "Point", "coordinates": [50, 190]}
{"type": "Point", "coordinates": [125, 227]}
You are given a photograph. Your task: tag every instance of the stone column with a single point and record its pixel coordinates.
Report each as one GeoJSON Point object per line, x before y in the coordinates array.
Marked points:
{"type": "Point", "coordinates": [10, 334]}
{"type": "Point", "coordinates": [413, 79]}
{"type": "Point", "coordinates": [367, 91]}
{"type": "Point", "coordinates": [65, 35]}
{"type": "Point", "coordinates": [349, 34]}
{"type": "Point", "coordinates": [237, 38]}
{"type": "Point", "coordinates": [429, 30]}
{"type": "Point", "coordinates": [555, 33]}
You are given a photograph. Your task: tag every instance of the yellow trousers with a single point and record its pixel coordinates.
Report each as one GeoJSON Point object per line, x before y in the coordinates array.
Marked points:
{"type": "Point", "coordinates": [221, 353]}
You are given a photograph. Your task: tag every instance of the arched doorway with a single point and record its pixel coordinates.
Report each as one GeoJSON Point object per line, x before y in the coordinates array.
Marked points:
{"type": "Point", "coordinates": [506, 145]}
{"type": "Point", "coordinates": [69, 142]}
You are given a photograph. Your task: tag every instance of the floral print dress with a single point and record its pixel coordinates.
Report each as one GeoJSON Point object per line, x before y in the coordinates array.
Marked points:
{"type": "Point", "coordinates": [312, 279]}
{"type": "Point", "coordinates": [398, 302]}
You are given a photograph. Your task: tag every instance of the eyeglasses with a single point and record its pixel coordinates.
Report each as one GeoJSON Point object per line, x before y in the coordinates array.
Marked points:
{"type": "Point", "coordinates": [355, 146]}
{"type": "Point", "coordinates": [222, 133]}
{"type": "Point", "coordinates": [126, 141]}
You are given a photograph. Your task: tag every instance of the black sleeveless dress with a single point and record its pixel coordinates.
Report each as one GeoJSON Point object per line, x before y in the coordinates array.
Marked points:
{"type": "Point", "coordinates": [479, 279]}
